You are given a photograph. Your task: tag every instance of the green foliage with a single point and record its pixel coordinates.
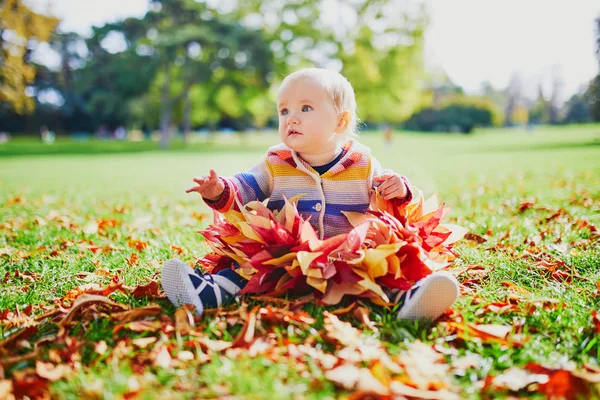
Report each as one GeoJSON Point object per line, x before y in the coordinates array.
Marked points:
{"type": "Point", "coordinates": [456, 113]}
{"type": "Point", "coordinates": [20, 30]}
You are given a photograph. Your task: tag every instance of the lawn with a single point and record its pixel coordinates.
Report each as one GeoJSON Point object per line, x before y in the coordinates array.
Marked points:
{"type": "Point", "coordinates": [84, 232]}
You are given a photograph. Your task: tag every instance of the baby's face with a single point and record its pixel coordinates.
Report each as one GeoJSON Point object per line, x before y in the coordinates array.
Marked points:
{"type": "Point", "coordinates": [307, 118]}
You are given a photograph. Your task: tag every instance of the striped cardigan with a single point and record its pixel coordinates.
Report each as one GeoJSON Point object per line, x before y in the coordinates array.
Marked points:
{"type": "Point", "coordinates": [347, 186]}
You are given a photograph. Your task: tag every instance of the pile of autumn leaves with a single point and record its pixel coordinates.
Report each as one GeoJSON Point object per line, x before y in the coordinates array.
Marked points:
{"type": "Point", "coordinates": [392, 246]}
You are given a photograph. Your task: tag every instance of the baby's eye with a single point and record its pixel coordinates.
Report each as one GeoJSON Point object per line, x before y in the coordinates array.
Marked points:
{"type": "Point", "coordinates": [283, 111]}
{"type": "Point", "coordinates": [306, 108]}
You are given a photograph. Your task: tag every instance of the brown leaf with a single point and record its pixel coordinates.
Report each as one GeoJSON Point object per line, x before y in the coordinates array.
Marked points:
{"type": "Point", "coordinates": [362, 313]}
{"type": "Point", "coordinates": [27, 383]}
{"type": "Point", "coordinates": [475, 238]}
{"type": "Point", "coordinates": [148, 290]}
{"type": "Point", "coordinates": [136, 313]}
{"type": "Point", "coordinates": [345, 310]}
{"type": "Point", "coordinates": [596, 320]}
{"type": "Point", "coordinates": [184, 318]}
{"type": "Point", "coordinates": [52, 372]}
{"type": "Point", "coordinates": [514, 288]}
{"type": "Point", "coordinates": [486, 333]}
{"type": "Point", "coordinates": [144, 342]}
{"type": "Point", "coordinates": [92, 289]}
{"type": "Point", "coordinates": [23, 334]}
{"type": "Point", "coordinates": [143, 326]}
{"type": "Point", "coordinates": [246, 335]}
{"type": "Point", "coordinates": [525, 206]}
{"type": "Point", "coordinates": [81, 303]}
{"type": "Point", "coordinates": [209, 345]}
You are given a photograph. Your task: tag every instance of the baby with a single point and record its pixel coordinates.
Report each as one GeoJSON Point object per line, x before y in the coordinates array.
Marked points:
{"type": "Point", "coordinates": [320, 158]}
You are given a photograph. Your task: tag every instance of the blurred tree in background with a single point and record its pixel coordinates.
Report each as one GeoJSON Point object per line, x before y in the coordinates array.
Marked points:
{"type": "Point", "coordinates": [214, 64]}
{"type": "Point", "coordinates": [20, 30]}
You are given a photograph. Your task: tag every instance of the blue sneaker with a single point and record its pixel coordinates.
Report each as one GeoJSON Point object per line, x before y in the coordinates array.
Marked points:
{"type": "Point", "coordinates": [429, 297]}
{"type": "Point", "coordinates": [184, 285]}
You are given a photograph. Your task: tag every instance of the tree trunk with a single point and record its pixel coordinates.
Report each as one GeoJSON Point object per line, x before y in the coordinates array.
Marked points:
{"type": "Point", "coordinates": [187, 117]}
{"type": "Point", "coordinates": [165, 110]}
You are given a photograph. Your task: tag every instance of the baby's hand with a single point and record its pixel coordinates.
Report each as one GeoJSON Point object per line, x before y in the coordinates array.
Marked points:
{"type": "Point", "coordinates": [209, 186]}
{"type": "Point", "coordinates": [391, 187]}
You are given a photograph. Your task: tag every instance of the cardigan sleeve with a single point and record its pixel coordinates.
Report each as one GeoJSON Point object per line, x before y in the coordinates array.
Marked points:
{"type": "Point", "coordinates": [255, 184]}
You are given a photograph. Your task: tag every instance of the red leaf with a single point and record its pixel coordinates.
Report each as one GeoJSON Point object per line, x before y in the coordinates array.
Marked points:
{"type": "Point", "coordinates": [150, 289]}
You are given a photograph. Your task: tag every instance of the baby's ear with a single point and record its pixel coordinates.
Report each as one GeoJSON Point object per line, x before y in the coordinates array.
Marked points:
{"type": "Point", "coordinates": [343, 122]}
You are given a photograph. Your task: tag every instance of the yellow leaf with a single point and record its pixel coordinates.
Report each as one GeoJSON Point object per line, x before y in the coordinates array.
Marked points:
{"type": "Point", "coordinates": [369, 284]}
{"type": "Point", "coordinates": [249, 232]}
{"type": "Point", "coordinates": [375, 259]}
{"type": "Point", "coordinates": [281, 260]}
{"type": "Point", "coordinates": [318, 283]}
{"type": "Point", "coordinates": [306, 258]}
{"type": "Point", "coordinates": [356, 219]}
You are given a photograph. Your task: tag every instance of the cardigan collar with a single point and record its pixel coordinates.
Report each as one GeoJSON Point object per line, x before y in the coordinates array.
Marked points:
{"type": "Point", "coordinates": [354, 152]}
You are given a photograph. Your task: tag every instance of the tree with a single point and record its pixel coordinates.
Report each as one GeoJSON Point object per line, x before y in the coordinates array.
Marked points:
{"type": "Point", "coordinates": [514, 96]}
{"type": "Point", "coordinates": [577, 110]}
{"type": "Point", "coordinates": [592, 94]}
{"type": "Point", "coordinates": [195, 45]}
{"type": "Point", "coordinates": [376, 44]}
{"type": "Point", "coordinates": [20, 30]}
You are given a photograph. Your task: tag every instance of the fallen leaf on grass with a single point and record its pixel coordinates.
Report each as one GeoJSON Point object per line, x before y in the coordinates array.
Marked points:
{"type": "Point", "coordinates": [351, 377]}
{"type": "Point", "coordinates": [80, 304]}
{"type": "Point", "coordinates": [184, 318]}
{"type": "Point", "coordinates": [596, 320]}
{"type": "Point", "coordinates": [144, 342]}
{"type": "Point", "coordinates": [26, 383]}
{"type": "Point", "coordinates": [136, 313]}
{"type": "Point", "coordinates": [515, 379]}
{"type": "Point", "coordinates": [561, 383]}
{"type": "Point", "coordinates": [52, 372]}
{"type": "Point", "coordinates": [137, 244]}
{"type": "Point", "coordinates": [486, 333]}
{"type": "Point", "coordinates": [475, 238]}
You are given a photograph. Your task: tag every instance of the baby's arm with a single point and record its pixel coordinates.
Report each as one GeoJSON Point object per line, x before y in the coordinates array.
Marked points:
{"type": "Point", "coordinates": [390, 184]}
{"type": "Point", "coordinates": [256, 184]}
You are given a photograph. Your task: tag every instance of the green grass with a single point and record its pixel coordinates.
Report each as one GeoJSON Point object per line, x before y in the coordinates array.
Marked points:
{"type": "Point", "coordinates": [485, 177]}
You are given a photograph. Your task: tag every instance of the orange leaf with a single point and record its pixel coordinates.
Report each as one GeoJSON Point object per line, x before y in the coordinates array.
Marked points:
{"type": "Point", "coordinates": [178, 249]}
{"type": "Point", "coordinates": [133, 259]}
{"type": "Point", "coordinates": [137, 244]}
{"type": "Point", "coordinates": [596, 320]}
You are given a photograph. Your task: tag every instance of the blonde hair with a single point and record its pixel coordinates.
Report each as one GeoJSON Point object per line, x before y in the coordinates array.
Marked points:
{"type": "Point", "coordinates": [337, 86]}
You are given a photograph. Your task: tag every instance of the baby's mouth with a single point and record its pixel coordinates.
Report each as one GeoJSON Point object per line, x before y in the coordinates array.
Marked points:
{"type": "Point", "coordinates": [293, 132]}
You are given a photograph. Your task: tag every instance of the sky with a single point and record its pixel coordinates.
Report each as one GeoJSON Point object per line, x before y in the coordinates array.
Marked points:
{"type": "Point", "coordinates": [471, 40]}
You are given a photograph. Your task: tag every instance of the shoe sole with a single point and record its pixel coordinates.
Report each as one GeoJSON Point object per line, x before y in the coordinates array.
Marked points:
{"type": "Point", "coordinates": [178, 286]}
{"type": "Point", "coordinates": [432, 299]}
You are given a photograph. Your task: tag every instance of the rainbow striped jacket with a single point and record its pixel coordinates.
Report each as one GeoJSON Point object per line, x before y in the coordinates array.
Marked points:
{"type": "Point", "coordinates": [347, 186]}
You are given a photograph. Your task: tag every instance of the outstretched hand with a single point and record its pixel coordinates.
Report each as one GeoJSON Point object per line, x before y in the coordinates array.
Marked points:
{"type": "Point", "coordinates": [208, 186]}
{"type": "Point", "coordinates": [391, 187]}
